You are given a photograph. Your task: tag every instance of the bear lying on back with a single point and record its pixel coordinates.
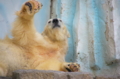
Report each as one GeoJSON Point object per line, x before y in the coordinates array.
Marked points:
{"type": "Point", "coordinates": [30, 50]}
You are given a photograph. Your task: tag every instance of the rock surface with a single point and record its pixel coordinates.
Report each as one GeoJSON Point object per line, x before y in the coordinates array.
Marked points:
{"type": "Point", "coordinates": [5, 78]}
{"type": "Point", "coordinates": [44, 74]}
{"type": "Point", "coordinates": [118, 77]}
{"type": "Point", "coordinates": [40, 74]}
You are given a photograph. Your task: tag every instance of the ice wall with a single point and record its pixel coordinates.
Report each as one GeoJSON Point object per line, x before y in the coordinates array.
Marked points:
{"type": "Point", "coordinates": [97, 25]}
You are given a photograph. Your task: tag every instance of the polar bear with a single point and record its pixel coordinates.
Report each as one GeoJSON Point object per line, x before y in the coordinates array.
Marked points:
{"type": "Point", "coordinates": [29, 49]}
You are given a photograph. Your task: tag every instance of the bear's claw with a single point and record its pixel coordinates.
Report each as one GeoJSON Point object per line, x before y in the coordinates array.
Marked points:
{"type": "Point", "coordinates": [29, 5]}
{"type": "Point", "coordinates": [72, 67]}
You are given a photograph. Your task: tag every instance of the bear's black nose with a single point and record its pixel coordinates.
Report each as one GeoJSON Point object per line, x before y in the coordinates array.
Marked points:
{"type": "Point", "coordinates": [55, 20]}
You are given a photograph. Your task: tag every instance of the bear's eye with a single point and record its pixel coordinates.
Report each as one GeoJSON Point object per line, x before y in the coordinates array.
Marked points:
{"type": "Point", "coordinates": [49, 21]}
{"type": "Point", "coordinates": [60, 20]}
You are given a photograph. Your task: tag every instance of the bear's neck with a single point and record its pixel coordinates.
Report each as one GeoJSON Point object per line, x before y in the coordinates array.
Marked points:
{"type": "Point", "coordinates": [23, 31]}
{"type": "Point", "coordinates": [62, 46]}
{"type": "Point", "coordinates": [57, 43]}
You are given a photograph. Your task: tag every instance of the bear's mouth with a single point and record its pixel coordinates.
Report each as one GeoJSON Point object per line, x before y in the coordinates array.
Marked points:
{"type": "Point", "coordinates": [29, 5]}
{"type": "Point", "coordinates": [56, 26]}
